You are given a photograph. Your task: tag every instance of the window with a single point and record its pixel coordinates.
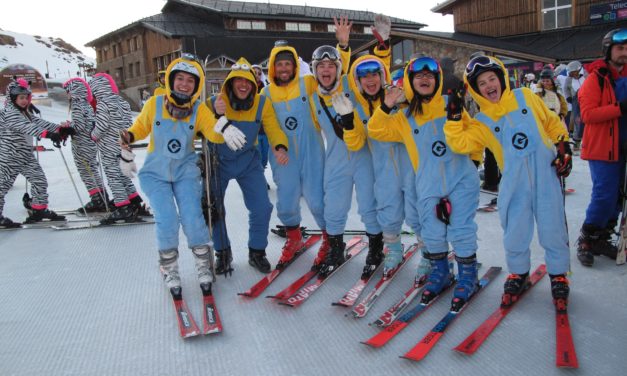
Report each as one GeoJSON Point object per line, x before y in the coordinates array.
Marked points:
{"type": "Point", "coordinates": [130, 70]}
{"type": "Point", "coordinates": [129, 45]}
{"type": "Point", "coordinates": [298, 26]}
{"type": "Point", "coordinates": [215, 88]}
{"type": "Point", "coordinates": [556, 14]}
{"type": "Point", "coordinates": [259, 25]}
{"type": "Point", "coordinates": [137, 70]}
{"type": "Point", "coordinates": [135, 43]}
{"type": "Point", "coordinates": [367, 30]}
{"type": "Point", "coordinates": [402, 51]}
{"type": "Point", "coordinates": [331, 28]}
{"type": "Point", "coordinates": [245, 25]}
{"type": "Point", "coordinates": [115, 50]}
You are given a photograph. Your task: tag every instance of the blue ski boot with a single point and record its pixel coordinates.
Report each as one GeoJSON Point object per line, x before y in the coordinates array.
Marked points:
{"type": "Point", "coordinates": [467, 281]}
{"type": "Point", "coordinates": [394, 256]}
{"type": "Point", "coordinates": [439, 278]}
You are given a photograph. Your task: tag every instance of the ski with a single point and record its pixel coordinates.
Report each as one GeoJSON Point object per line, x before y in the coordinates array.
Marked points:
{"type": "Point", "coordinates": [353, 293]}
{"type": "Point", "coordinates": [300, 282]}
{"type": "Point", "coordinates": [260, 286]}
{"type": "Point", "coordinates": [72, 225]}
{"type": "Point", "coordinates": [472, 343]}
{"type": "Point", "coordinates": [304, 293]}
{"type": "Point", "coordinates": [389, 332]}
{"type": "Point", "coordinates": [34, 225]}
{"type": "Point", "coordinates": [364, 306]}
{"type": "Point", "coordinates": [395, 311]}
{"type": "Point", "coordinates": [566, 356]}
{"type": "Point", "coordinates": [423, 347]}
{"type": "Point", "coordinates": [489, 207]}
{"type": "Point", "coordinates": [187, 325]}
{"type": "Point", "coordinates": [210, 317]}
{"type": "Point", "coordinates": [621, 254]}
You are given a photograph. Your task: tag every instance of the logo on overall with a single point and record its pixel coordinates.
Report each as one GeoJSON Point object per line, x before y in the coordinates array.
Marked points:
{"type": "Point", "coordinates": [520, 141]}
{"type": "Point", "coordinates": [438, 148]}
{"type": "Point", "coordinates": [174, 146]}
{"type": "Point", "coordinates": [291, 123]}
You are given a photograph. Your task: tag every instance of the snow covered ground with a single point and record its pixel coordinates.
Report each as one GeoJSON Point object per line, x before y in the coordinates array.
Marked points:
{"type": "Point", "coordinates": [91, 302]}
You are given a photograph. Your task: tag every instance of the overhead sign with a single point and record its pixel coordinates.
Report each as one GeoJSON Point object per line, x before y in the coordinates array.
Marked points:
{"type": "Point", "coordinates": [601, 13]}
{"type": "Point", "coordinates": [37, 81]}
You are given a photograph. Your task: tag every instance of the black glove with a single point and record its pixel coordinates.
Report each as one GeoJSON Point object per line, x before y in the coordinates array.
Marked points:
{"type": "Point", "coordinates": [67, 131]}
{"type": "Point", "coordinates": [455, 104]}
{"type": "Point", "coordinates": [569, 100]}
{"type": "Point", "coordinates": [623, 107]}
{"type": "Point", "coordinates": [347, 121]}
{"type": "Point", "coordinates": [564, 161]}
{"type": "Point", "coordinates": [34, 109]}
{"type": "Point", "coordinates": [56, 138]}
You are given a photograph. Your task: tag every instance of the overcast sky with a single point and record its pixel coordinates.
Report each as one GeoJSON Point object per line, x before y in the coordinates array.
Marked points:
{"type": "Point", "coordinates": [81, 21]}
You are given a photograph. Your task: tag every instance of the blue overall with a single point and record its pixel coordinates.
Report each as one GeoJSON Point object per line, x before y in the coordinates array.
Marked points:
{"type": "Point", "coordinates": [442, 173]}
{"type": "Point", "coordinates": [408, 187]}
{"type": "Point", "coordinates": [303, 175]}
{"type": "Point", "coordinates": [529, 188]}
{"type": "Point", "coordinates": [343, 169]}
{"type": "Point", "coordinates": [243, 165]}
{"type": "Point", "coordinates": [170, 173]}
{"type": "Point", "coordinates": [387, 189]}
{"type": "Point", "coordinates": [607, 177]}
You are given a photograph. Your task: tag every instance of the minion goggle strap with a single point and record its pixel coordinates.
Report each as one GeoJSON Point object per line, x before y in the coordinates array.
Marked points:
{"type": "Point", "coordinates": [424, 64]}
{"type": "Point", "coordinates": [367, 67]}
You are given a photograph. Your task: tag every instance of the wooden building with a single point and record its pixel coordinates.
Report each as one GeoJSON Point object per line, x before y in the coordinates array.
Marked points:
{"type": "Point", "coordinates": [219, 32]}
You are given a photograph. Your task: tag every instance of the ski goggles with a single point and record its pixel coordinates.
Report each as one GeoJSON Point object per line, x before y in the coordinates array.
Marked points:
{"type": "Point", "coordinates": [191, 57]}
{"type": "Point", "coordinates": [423, 64]}
{"type": "Point", "coordinates": [243, 67]}
{"type": "Point", "coordinates": [479, 62]}
{"type": "Point", "coordinates": [620, 36]}
{"type": "Point", "coordinates": [325, 52]}
{"type": "Point", "coordinates": [367, 67]}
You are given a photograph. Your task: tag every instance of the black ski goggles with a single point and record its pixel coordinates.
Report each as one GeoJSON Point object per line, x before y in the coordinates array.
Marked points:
{"type": "Point", "coordinates": [479, 62]}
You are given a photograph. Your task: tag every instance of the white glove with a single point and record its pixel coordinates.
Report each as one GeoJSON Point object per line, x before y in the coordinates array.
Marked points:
{"type": "Point", "coordinates": [234, 138]}
{"type": "Point", "coordinates": [342, 104]}
{"type": "Point", "coordinates": [127, 164]}
{"type": "Point", "coordinates": [383, 25]}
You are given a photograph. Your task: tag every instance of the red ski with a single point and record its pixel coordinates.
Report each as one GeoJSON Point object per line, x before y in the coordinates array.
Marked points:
{"type": "Point", "coordinates": [210, 317]}
{"type": "Point", "coordinates": [260, 286]}
{"type": "Point", "coordinates": [472, 343]}
{"type": "Point", "coordinates": [300, 282]}
{"type": "Point", "coordinates": [187, 325]}
{"type": "Point", "coordinates": [566, 357]}
{"type": "Point", "coordinates": [305, 292]}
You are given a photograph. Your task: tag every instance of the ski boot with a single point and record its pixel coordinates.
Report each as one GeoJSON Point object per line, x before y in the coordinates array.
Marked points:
{"type": "Point", "coordinates": [257, 259]}
{"type": "Point", "coordinates": [335, 257]}
{"type": "Point", "coordinates": [375, 254]}
{"type": "Point", "coordinates": [43, 215]}
{"type": "Point", "coordinates": [322, 251]}
{"type": "Point", "coordinates": [223, 262]}
{"type": "Point", "coordinates": [293, 244]}
{"type": "Point", "coordinates": [514, 286]}
{"type": "Point", "coordinates": [7, 223]}
{"type": "Point", "coordinates": [440, 277]}
{"type": "Point", "coordinates": [594, 241]}
{"type": "Point", "coordinates": [202, 257]}
{"type": "Point", "coordinates": [27, 201]}
{"type": "Point", "coordinates": [142, 210]}
{"type": "Point", "coordinates": [121, 214]}
{"type": "Point", "coordinates": [467, 281]}
{"type": "Point", "coordinates": [170, 268]}
{"type": "Point", "coordinates": [560, 291]}
{"type": "Point", "coordinates": [394, 255]}
{"type": "Point", "coordinates": [604, 245]}
{"type": "Point", "coordinates": [424, 266]}
{"type": "Point", "coordinates": [96, 204]}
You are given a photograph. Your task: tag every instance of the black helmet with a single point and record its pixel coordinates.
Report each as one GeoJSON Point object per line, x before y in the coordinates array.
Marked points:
{"type": "Point", "coordinates": [481, 64]}
{"type": "Point", "coordinates": [18, 87]}
{"type": "Point", "coordinates": [546, 73]}
{"type": "Point", "coordinates": [616, 36]}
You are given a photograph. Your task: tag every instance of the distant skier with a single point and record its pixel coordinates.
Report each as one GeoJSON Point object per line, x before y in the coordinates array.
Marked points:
{"type": "Point", "coordinates": [521, 131]}
{"type": "Point", "coordinates": [16, 154]}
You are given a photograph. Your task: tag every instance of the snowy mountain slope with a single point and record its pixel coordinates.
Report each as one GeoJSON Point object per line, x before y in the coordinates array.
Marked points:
{"type": "Point", "coordinates": [46, 54]}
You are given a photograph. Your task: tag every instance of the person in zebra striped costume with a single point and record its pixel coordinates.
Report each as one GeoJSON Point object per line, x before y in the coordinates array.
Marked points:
{"type": "Point", "coordinates": [16, 155]}
{"type": "Point", "coordinates": [113, 115]}
{"type": "Point", "coordinates": [84, 149]}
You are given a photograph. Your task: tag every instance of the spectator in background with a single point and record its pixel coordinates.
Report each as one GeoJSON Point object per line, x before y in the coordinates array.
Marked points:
{"type": "Point", "coordinates": [573, 82]}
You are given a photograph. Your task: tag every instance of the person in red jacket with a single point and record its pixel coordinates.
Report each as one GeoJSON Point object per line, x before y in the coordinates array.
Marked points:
{"type": "Point", "coordinates": [603, 102]}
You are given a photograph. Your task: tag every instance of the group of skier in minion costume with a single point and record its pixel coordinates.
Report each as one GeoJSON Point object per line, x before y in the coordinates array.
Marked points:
{"type": "Point", "coordinates": [407, 152]}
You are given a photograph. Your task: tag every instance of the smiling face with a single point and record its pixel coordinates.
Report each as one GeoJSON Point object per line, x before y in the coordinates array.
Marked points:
{"type": "Point", "coordinates": [424, 83]}
{"type": "Point", "coordinates": [371, 83]}
{"type": "Point", "coordinates": [489, 86]}
{"type": "Point", "coordinates": [242, 87]}
{"type": "Point", "coordinates": [184, 83]}
{"type": "Point", "coordinates": [326, 73]}
{"type": "Point", "coordinates": [21, 100]}
{"type": "Point", "coordinates": [284, 71]}
{"type": "Point", "coordinates": [547, 83]}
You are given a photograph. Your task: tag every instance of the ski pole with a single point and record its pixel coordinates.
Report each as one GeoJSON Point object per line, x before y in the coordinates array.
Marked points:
{"type": "Point", "coordinates": [99, 160]}
{"type": "Point", "coordinates": [75, 187]}
{"type": "Point", "coordinates": [102, 191]}
{"type": "Point", "coordinates": [205, 151]}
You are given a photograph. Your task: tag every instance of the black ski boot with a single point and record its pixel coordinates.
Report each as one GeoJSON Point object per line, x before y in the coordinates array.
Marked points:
{"type": "Point", "coordinates": [514, 286]}
{"type": "Point", "coordinates": [257, 259]}
{"type": "Point", "coordinates": [43, 215]}
{"type": "Point", "coordinates": [223, 262]}
{"type": "Point", "coordinates": [95, 205]}
{"type": "Point", "coordinates": [121, 214]}
{"type": "Point", "coordinates": [605, 246]}
{"type": "Point", "coordinates": [375, 253]}
{"type": "Point", "coordinates": [594, 241]}
{"type": "Point", "coordinates": [560, 291]}
{"type": "Point", "coordinates": [142, 210]}
{"type": "Point", "coordinates": [335, 257]}
{"type": "Point", "coordinates": [7, 223]}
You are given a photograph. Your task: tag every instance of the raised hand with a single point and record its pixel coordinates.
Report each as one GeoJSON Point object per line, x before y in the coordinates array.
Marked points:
{"type": "Point", "coordinates": [342, 30]}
